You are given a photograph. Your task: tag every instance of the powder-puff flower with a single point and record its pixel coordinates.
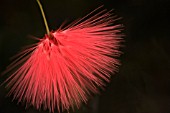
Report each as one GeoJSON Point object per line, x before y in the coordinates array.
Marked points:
{"type": "Point", "coordinates": [68, 64]}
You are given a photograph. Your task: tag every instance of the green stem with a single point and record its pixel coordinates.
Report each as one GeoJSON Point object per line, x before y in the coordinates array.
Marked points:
{"type": "Point", "coordinates": [44, 18]}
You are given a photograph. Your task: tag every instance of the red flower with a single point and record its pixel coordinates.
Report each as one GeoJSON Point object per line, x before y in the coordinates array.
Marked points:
{"type": "Point", "coordinates": [63, 69]}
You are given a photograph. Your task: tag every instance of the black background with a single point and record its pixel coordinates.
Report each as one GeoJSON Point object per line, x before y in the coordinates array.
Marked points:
{"type": "Point", "coordinates": [142, 84]}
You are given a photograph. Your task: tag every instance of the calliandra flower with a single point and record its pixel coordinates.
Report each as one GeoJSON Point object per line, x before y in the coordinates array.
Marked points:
{"type": "Point", "coordinates": [67, 65]}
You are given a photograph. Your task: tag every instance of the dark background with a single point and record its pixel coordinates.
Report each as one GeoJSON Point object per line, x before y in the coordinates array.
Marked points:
{"type": "Point", "coordinates": [142, 84]}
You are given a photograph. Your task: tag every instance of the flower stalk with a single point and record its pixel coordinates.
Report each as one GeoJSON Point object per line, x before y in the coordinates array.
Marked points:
{"type": "Point", "coordinates": [44, 18]}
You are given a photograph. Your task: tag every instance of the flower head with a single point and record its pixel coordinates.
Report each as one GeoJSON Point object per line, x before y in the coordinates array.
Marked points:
{"type": "Point", "coordinates": [65, 67]}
